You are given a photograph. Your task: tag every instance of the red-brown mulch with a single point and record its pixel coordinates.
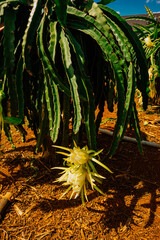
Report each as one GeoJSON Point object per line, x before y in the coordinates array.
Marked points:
{"type": "Point", "coordinates": [130, 208]}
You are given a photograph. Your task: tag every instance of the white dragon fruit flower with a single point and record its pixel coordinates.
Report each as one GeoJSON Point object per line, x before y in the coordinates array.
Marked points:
{"type": "Point", "coordinates": [78, 156]}
{"type": "Point", "coordinates": [80, 171]}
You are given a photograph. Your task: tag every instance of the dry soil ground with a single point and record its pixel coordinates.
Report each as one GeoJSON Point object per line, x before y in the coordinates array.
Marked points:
{"type": "Point", "coordinates": [130, 208]}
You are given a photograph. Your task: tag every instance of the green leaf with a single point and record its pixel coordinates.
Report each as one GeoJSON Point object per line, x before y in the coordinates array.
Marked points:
{"type": "Point", "coordinates": [150, 14]}
{"type": "Point", "coordinates": [143, 28]}
{"type": "Point", "coordinates": [123, 41]}
{"type": "Point", "coordinates": [86, 88]}
{"type": "Point", "coordinates": [12, 120]}
{"type": "Point", "coordinates": [61, 11]}
{"type": "Point", "coordinates": [53, 39]}
{"type": "Point", "coordinates": [43, 125]}
{"type": "Point", "coordinates": [53, 107]}
{"type": "Point", "coordinates": [9, 38]}
{"type": "Point", "coordinates": [30, 32]}
{"type": "Point", "coordinates": [47, 61]}
{"type": "Point", "coordinates": [67, 62]}
{"type": "Point", "coordinates": [121, 124]}
{"type": "Point", "coordinates": [135, 123]}
{"type": "Point", "coordinates": [19, 86]}
{"type": "Point", "coordinates": [51, 89]}
{"type": "Point", "coordinates": [89, 116]}
{"type": "Point", "coordinates": [93, 28]}
{"type": "Point", "coordinates": [87, 5]}
{"type": "Point", "coordinates": [105, 2]}
{"type": "Point", "coordinates": [145, 19]}
{"type": "Point", "coordinates": [7, 131]}
{"type": "Point", "coordinates": [9, 57]}
{"type": "Point", "coordinates": [143, 80]}
{"type": "Point", "coordinates": [153, 50]}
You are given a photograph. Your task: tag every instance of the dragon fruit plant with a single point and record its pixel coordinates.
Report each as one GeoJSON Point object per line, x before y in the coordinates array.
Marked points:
{"type": "Point", "coordinates": [60, 60]}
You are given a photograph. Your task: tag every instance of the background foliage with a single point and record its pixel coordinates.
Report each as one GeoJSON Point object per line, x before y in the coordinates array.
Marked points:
{"type": "Point", "coordinates": [149, 34]}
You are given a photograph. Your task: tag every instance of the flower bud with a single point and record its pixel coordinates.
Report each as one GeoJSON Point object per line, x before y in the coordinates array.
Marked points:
{"type": "Point", "coordinates": [148, 42]}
